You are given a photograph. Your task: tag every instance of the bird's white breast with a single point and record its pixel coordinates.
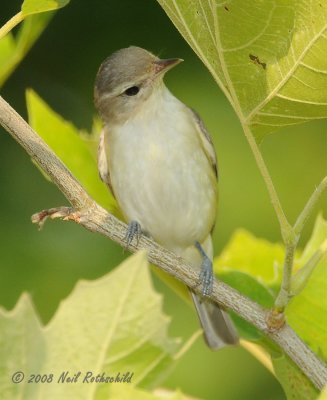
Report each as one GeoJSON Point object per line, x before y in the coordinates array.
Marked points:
{"type": "Point", "coordinates": [160, 174]}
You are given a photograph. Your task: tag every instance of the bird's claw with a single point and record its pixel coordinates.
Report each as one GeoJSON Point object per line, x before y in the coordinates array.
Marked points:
{"type": "Point", "coordinates": [206, 276]}
{"type": "Point", "coordinates": [133, 231]}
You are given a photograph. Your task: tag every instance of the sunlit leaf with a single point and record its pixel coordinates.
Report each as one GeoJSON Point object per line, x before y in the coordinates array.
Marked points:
{"type": "Point", "coordinates": [7, 46]}
{"type": "Point", "coordinates": [64, 139]}
{"type": "Point", "coordinates": [125, 392]}
{"type": "Point", "coordinates": [250, 287]}
{"type": "Point", "coordinates": [307, 312]}
{"type": "Point", "coordinates": [22, 349]}
{"type": "Point", "coordinates": [259, 353]}
{"type": "Point", "coordinates": [319, 234]}
{"type": "Point", "coordinates": [254, 267]}
{"type": "Point", "coordinates": [13, 49]}
{"type": "Point", "coordinates": [269, 57]}
{"type": "Point", "coordinates": [254, 256]}
{"type": "Point", "coordinates": [38, 6]}
{"type": "Point", "coordinates": [323, 394]}
{"type": "Point", "coordinates": [113, 325]}
{"type": "Point", "coordinates": [295, 384]}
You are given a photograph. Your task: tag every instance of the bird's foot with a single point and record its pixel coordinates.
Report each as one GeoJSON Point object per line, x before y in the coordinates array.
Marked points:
{"type": "Point", "coordinates": [206, 274]}
{"type": "Point", "coordinates": [134, 230]}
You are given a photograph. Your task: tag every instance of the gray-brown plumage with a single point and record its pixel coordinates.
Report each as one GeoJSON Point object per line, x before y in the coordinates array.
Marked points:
{"type": "Point", "coordinates": [158, 159]}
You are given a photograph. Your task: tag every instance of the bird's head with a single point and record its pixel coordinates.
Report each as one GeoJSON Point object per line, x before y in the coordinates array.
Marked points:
{"type": "Point", "coordinates": [126, 79]}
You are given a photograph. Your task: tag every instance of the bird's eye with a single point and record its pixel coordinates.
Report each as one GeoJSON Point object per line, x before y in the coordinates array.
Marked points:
{"type": "Point", "coordinates": [132, 91]}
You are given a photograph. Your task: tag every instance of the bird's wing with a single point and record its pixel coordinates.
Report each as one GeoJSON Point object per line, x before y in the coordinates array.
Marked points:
{"type": "Point", "coordinates": [103, 165]}
{"type": "Point", "coordinates": [206, 141]}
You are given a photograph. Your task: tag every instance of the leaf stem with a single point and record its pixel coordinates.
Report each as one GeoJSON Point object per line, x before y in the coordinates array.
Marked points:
{"type": "Point", "coordinates": [286, 229]}
{"type": "Point", "coordinates": [300, 222]}
{"type": "Point", "coordinates": [284, 294]}
{"type": "Point", "coordinates": [301, 277]}
{"type": "Point", "coordinates": [291, 286]}
{"type": "Point", "coordinates": [289, 235]}
{"type": "Point", "coordinates": [9, 25]}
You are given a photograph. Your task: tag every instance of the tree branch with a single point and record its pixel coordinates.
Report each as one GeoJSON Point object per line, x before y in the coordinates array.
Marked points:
{"type": "Point", "coordinates": [94, 218]}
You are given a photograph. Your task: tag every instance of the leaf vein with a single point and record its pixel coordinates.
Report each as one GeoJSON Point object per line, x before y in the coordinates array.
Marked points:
{"type": "Point", "coordinates": [279, 86]}
{"type": "Point", "coordinates": [320, 71]}
{"type": "Point", "coordinates": [256, 37]}
{"type": "Point", "coordinates": [287, 116]}
{"type": "Point", "coordinates": [300, 100]}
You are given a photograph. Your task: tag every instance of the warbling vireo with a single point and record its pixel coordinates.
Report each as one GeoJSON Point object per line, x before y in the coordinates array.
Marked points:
{"type": "Point", "coordinates": [158, 160]}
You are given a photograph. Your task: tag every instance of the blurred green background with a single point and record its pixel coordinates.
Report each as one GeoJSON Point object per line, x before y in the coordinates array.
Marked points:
{"type": "Point", "coordinates": [61, 68]}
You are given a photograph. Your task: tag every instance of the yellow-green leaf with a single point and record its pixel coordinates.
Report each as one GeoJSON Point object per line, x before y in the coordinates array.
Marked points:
{"type": "Point", "coordinates": [295, 384]}
{"type": "Point", "coordinates": [66, 142]}
{"type": "Point", "coordinates": [38, 6]}
{"type": "Point", "coordinates": [323, 394]}
{"type": "Point", "coordinates": [254, 256]}
{"type": "Point", "coordinates": [126, 392]}
{"type": "Point", "coordinates": [22, 349]}
{"type": "Point", "coordinates": [250, 287]}
{"type": "Point", "coordinates": [319, 234]}
{"type": "Point", "coordinates": [13, 49]}
{"type": "Point", "coordinates": [307, 312]}
{"type": "Point", "coordinates": [113, 325]}
{"type": "Point", "coordinates": [269, 57]}
{"type": "Point", "coordinates": [252, 266]}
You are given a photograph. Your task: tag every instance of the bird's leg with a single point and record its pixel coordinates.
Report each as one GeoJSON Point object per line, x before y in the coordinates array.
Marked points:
{"type": "Point", "coordinates": [206, 273]}
{"type": "Point", "coordinates": [134, 230]}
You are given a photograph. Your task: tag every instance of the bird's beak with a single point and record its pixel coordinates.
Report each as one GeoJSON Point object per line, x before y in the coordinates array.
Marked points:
{"type": "Point", "coordinates": [162, 66]}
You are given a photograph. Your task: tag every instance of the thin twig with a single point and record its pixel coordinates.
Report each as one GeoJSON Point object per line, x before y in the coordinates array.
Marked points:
{"type": "Point", "coordinates": [9, 25]}
{"type": "Point", "coordinates": [284, 294]}
{"type": "Point", "coordinates": [301, 277]}
{"type": "Point", "coordinates": [93, 217]}
{"type": "Point", "coordinates": [305, 214]}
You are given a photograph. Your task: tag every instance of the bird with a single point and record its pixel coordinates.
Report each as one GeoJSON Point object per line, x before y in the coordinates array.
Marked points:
{"type": "Point", "coordinates": [158, 160]}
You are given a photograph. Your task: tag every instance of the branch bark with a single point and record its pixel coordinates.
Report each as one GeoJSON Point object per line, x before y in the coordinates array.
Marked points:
{"type": "Point", "coordinates": [94, 218]}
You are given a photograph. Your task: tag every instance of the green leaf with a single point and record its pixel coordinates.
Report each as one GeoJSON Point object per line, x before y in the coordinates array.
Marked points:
{"type": "Point", "coordinates": [22, 348]}
{"type": "Point", "coordinates": [319, 234]}
{"type": "Point", "coordinates": [269, 57]}
{"type": "Point", "coordinates": [253, 267]}
{"type": "Point", "coordinates": [307, 312]}
{"type": "Point", "coordinates": [253, 256]}
{"type": "Point", "coordinates": [323, 394]}
{"type": "Point", "coordinates": [295, 384]}
{"type": "Point", "coordinates": [64, 139]}
{"type": "Point", "coordinates": [39, 6]}
{"type": "Point", "coordinates": [13, 49]}
{"type": "Point", "coordinates": [313, 253]}
{"type": "Point", "coordinates": [112, 325]}
{"type": "Point", "coordinates": [124, 392]}
{"type": "Point", "coordinates": [251, 288]}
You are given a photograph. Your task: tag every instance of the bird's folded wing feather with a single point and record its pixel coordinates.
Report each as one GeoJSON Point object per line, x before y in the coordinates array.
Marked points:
{"type": "Point", "coordinates": [103, 165]}
{"type": "Point", "coordinates": [206, 141]}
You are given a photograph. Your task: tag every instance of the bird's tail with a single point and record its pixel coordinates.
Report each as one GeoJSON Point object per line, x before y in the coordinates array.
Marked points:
{"type": "Point", "coordinates": [218, 328]}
